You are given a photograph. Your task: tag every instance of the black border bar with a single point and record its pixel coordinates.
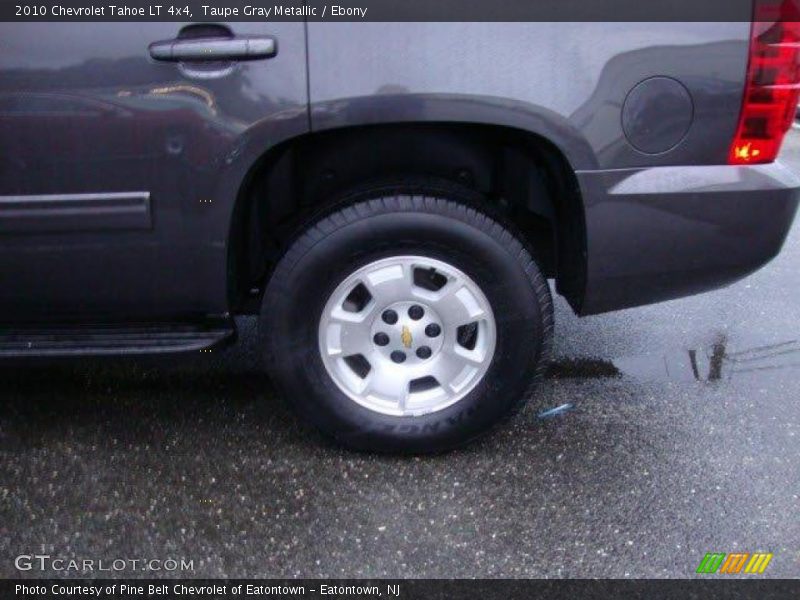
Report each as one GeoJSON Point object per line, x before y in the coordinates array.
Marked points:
{"type": "Point", "coordinates": [379, 10]}
{"type": "Point", "coordinates": [430, 589]}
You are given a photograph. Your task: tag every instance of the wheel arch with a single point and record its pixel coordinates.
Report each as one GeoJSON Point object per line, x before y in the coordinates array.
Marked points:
{"type": "Point", "coordinates": [522, 171]}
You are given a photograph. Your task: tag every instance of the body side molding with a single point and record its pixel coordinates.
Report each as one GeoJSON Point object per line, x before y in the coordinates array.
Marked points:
{"type": "Point", "coordinates": [63, 213]}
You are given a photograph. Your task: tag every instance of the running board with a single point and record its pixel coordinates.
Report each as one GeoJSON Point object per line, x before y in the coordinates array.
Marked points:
{"type": "Point", "coordinates": [98, 340]}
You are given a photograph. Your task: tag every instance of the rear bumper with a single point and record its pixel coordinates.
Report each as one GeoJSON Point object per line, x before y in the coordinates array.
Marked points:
{"type": "Point", "coordinates": [660, 233]}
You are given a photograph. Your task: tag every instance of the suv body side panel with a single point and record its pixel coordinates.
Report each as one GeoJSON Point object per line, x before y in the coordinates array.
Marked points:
{"type": "Point", "coordinates": [565, 81]}
{"type": "Point", "coordinates": [119, 174]}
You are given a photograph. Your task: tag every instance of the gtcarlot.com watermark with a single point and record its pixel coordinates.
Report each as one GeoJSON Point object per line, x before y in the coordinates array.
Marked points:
{"type": "Point", "coordinates": [48, 563]}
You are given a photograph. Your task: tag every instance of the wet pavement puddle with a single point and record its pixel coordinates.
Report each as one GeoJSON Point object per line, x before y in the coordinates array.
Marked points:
{"type": "Point", "coordinates": [719, 361]}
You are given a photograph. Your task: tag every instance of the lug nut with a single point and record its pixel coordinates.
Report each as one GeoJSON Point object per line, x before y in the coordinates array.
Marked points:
{"type": "Point", "coordinates": [423, 352]}
{"type": "Point", "coordinates": [398, 356]}
{"type": "Point", "coordinates": [389, 317]}
{"type": "Point", "coordinates": [381, 339]}
{"type": "Point", "coordinates": [433, 330]}
{"type": "Point", "coordinates": [416, 312]}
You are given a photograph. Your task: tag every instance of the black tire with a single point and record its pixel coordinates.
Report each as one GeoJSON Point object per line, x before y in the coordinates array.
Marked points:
{"type": "Point", "coordinates": [438, 222]}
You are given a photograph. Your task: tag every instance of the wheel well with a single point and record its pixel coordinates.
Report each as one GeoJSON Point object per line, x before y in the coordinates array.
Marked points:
{"type": "Point", "coordinates": [521, 174]}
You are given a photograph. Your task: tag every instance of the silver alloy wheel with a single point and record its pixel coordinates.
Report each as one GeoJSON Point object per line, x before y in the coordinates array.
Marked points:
{"type": "Point", "coordinates": [407, 335]}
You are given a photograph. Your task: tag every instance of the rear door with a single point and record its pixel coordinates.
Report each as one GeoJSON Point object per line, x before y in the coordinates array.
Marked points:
{"type": "Point", "coordinates": [111, 162]}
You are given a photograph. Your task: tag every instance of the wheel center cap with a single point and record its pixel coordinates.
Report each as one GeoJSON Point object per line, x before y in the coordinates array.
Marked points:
{"type": "Point", "coordinates": [407, 333]}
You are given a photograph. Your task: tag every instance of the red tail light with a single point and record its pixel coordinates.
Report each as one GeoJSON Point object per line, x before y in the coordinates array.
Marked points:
{"type": "Point", "coordinates": [773, 82]}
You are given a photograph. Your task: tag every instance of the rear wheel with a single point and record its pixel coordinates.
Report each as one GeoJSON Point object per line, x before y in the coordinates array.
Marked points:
{"type": "Point", "coordinates": [406, 320]}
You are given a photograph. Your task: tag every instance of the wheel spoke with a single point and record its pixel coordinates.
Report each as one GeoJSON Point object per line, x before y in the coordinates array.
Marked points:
{"type": "Point", "coordinates": [364, 386]}
{"type": "Point", "coordinates": [346, 337]}
{"type": "Point", "coordinates": [389, 284]}
{"type": "Point", "coordinates": [390, 382]}
{"type": "Point", "coordinates": [451, 370]}
{"type": "Point", "coordinates": [472, 357]}
{"type": "Point", "coordinates": [458, 305]}
{"type": "Point", "coordinates": [402, 399]}
{"type": "Point", "coordinates": [345, 316]}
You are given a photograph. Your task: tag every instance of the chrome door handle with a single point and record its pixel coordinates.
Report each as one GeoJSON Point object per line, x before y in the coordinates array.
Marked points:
{"type": "Point", "coordinates": [214, 49]}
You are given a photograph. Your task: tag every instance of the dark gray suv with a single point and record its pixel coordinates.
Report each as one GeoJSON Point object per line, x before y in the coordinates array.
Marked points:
{"type": "Point", "coordinates": [389, 199]}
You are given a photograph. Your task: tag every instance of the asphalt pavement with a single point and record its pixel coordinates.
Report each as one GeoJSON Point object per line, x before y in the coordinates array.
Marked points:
{"type": "Point", "coordinates": [661, 433]}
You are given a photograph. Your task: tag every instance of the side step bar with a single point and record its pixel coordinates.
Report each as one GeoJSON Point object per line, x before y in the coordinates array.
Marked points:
{"type": "Point", "coordinates": [99, 340]}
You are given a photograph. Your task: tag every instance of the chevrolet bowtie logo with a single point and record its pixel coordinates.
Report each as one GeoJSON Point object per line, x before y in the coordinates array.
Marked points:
{"type": "Point", "coordinates": [405, 337]}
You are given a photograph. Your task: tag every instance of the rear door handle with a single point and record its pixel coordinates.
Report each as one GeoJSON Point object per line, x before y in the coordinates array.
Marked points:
{"type": "Point", "coordinates": [214, 49]}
